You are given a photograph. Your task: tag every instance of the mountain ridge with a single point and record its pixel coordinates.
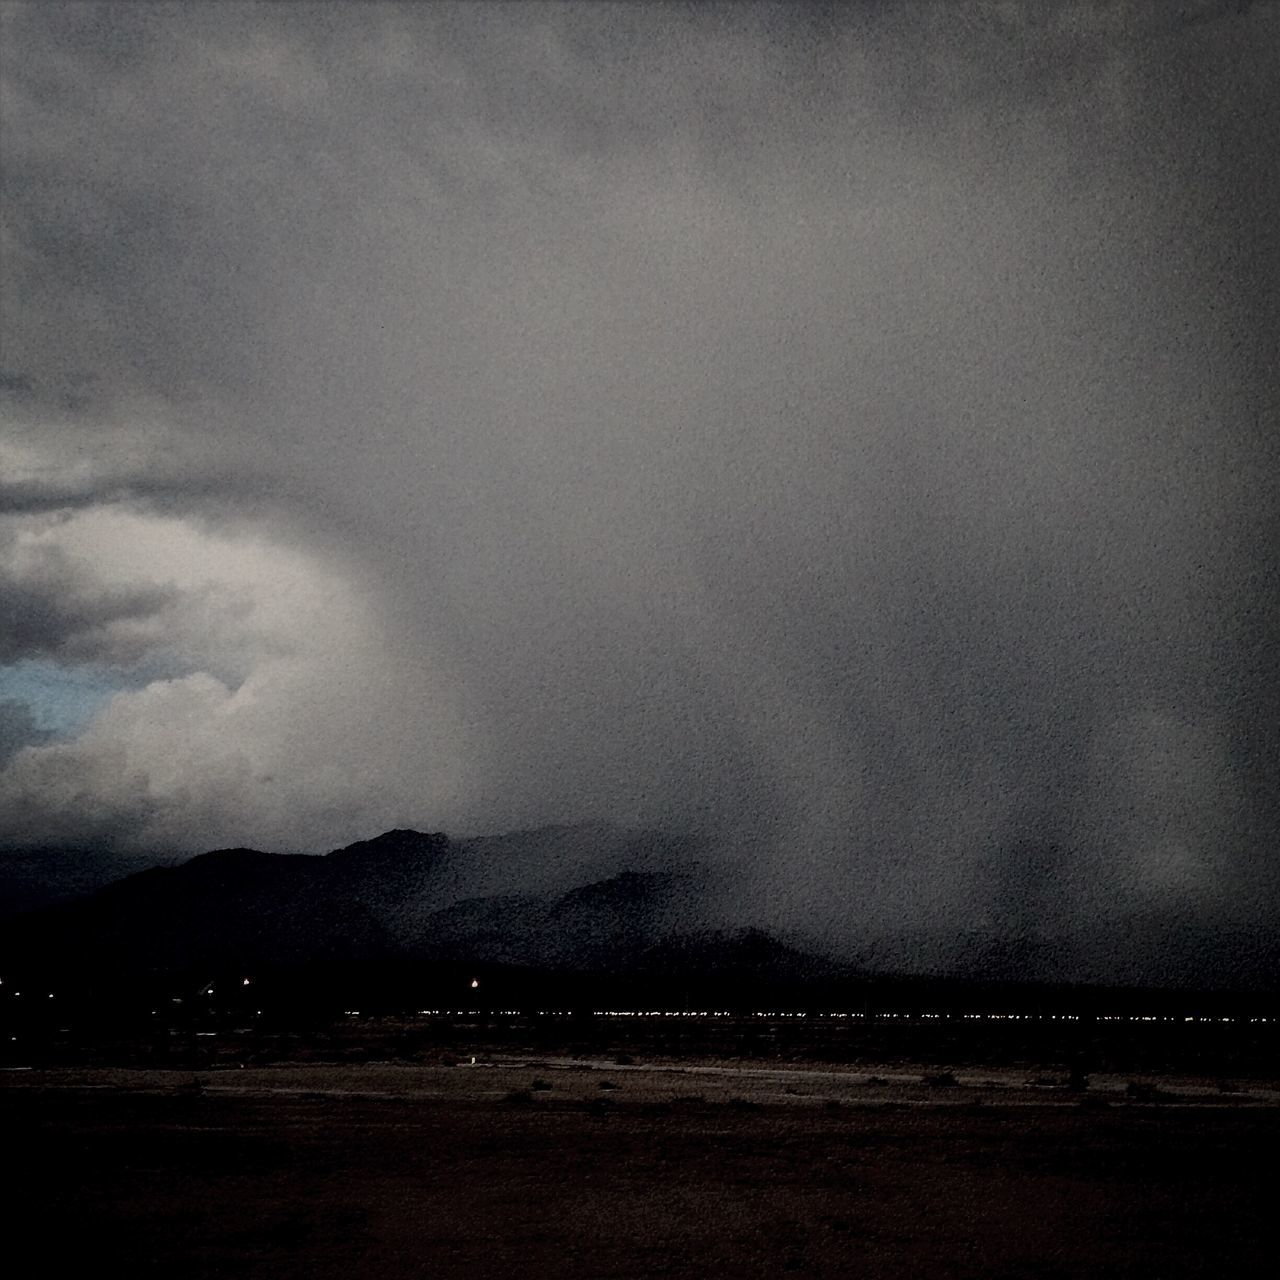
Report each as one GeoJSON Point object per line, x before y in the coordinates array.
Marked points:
{"type": "Point", "coordinates": [562, 898]}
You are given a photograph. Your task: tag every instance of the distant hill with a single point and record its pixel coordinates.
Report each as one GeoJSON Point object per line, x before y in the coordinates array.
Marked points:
{"type": "Point", "coordinates": [236, 907]}
{"type": "Point", "coordinates": [403, 895]}
{"type": "Point", "coordinates": [35, 878]}
{"type": "Point", "coordinates": [609, 924]}
{"type": "Point", "coordinates": [587, 900]}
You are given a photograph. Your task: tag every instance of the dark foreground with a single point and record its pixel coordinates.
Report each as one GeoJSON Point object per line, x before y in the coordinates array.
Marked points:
{"type": "Point", "coordinates": [358, 1173]}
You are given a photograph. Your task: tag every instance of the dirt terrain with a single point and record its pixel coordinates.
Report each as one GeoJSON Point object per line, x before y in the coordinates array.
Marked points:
{"type": "Point", "coordinates": [557, 1166]}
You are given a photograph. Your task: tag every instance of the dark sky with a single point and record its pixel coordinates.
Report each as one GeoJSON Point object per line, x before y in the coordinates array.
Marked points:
{"type": "Point", "coordinates": [848, 433]}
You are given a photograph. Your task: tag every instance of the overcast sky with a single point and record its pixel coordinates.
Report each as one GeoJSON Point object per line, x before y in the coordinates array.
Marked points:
{"type": "Point", "coordinates": [848, 433]}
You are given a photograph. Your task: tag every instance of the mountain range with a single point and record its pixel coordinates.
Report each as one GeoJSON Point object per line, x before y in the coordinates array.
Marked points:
{"type": "Point", "coordinates": [579, 899]}
{"type": "Point", "coordinates": [558, 898]}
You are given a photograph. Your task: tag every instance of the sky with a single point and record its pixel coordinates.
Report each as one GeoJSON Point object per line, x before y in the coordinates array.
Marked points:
{"type": "Point", "coordinates": [847, 433]}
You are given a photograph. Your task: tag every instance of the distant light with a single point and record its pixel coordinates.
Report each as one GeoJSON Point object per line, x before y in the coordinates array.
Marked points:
{"type": "Point", "coordinates": [475, 982]}
{"type": "Point", "coordinates": [245, 983]}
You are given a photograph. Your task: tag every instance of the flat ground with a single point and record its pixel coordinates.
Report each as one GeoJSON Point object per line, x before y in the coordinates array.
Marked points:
{"type": "Point", "coordinates": [525, 1167]}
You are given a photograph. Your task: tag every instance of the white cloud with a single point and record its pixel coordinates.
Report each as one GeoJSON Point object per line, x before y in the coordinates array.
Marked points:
{"type": "Point", "coordinates": [289, 745]}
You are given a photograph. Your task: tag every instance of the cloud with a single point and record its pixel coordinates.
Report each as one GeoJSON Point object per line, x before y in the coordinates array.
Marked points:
{"type": "Point", "coordinates": [18, 729]}
{"type": "Point", "coordinates": [57, 612]}
{"type": "Point", "coordinates": [834, 431]}
{"type": "Point", "coordinates": [288, 751]}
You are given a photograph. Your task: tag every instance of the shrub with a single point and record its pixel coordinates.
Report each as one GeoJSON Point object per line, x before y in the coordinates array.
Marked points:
{"type": "Point", "coordinates": [941, 1080]}
{"type": "Point", "coordinates": [539, 1085]}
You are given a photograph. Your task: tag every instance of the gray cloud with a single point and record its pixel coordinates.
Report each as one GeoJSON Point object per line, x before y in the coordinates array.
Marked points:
{"type": "Point", "coordinates": [17, 385]}
{"type": "Point", "coordinates": [56, 611]}
{"type": "Point", "coordinates": [846, 432]}
{"type": "Point", "coordinates": [18, 729]}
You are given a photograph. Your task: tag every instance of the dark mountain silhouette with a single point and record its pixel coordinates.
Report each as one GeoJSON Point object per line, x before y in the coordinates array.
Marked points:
{"type": "Point", "coordinates": [594, 899]}
{"type": "Point", "coordinates": [556, 859]}
{"type": "Point", "coordinates": [230, 908]}
{"type": "Point", "coordinates": [35, 878]}
{"type": "Point", "coordinates": [404, 894]}
{"type": "Point", "coordinates": [609, 924]}
{"type": "Point", "coordinates": [392, 859]}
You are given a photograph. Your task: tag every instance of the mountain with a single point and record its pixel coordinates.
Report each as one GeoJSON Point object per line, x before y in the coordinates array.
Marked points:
{"type": "Point", "coordinates": [595, 899]}
{"type": "Point", "coordinates": [553, 860]}
{"type": "Point", "coordinates": [35, 878]}
{"type": "Point", "coordinates": [403, 895]}
{"type": "Point", "coordinates": [608, 924]}
{"type": "Point", "coordinates": [236, 908]}
{"type": "Point", "coordinates": [410, 881]}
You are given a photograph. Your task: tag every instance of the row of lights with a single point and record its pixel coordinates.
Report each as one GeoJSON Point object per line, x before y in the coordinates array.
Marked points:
{"type": "Point", "coordinates": [781, 1013]}
{"type": "Point", "coordinates": [777, 1013]}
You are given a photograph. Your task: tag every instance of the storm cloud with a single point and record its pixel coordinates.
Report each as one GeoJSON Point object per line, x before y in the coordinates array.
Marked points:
{"type": "Point", "coordinates": [18, 729]}
{"type": "Point", "coordinates": [848, 434]}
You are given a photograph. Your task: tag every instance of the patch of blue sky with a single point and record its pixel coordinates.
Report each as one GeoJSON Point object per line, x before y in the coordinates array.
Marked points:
{"type": "Point", "coordinates": [62, 699]}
